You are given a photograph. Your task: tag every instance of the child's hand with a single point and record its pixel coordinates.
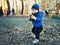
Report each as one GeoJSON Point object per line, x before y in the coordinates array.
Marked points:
{"type": "Point", "coordinates": [33, 17]}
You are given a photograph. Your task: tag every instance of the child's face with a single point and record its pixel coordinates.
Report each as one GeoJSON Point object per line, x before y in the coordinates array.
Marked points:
{"type": "Point", "coordinates": [34, 11]}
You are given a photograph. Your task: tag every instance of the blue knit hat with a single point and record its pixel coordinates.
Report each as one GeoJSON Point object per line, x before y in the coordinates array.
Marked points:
{"type": "Point", "coordinates": [35, 6]}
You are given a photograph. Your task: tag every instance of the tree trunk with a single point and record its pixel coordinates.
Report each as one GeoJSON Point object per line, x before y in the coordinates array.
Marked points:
{"type": "Point", "coordinates": [8, 4]}
{"type": "Point", "coordinates": [22, 8]}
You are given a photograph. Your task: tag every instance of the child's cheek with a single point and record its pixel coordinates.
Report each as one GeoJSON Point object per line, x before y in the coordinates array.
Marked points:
{"type": "Point", "coordinates": [34, 12]}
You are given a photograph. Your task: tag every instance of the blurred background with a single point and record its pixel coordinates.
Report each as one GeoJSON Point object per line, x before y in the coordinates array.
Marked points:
{"type": "Point", "coordinates": [23, 7]}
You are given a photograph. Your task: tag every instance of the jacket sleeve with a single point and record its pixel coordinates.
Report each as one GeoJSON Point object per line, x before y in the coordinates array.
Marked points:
{"type": "Point", "coordinates": [39, 17]}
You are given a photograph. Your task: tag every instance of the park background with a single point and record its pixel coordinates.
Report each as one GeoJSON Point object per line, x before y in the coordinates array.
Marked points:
{"type": "Point", "coordinates": [23, 7]}
{"type": "Point", "coordinates": [16, 28]}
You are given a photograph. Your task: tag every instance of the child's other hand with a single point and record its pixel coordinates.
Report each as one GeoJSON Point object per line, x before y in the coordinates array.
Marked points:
{"type": "Point", "coordinates": [33, 17]}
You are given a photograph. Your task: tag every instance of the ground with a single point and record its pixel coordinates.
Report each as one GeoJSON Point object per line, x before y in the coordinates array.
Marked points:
{"type": "Point", "coordinates": [17, 31]}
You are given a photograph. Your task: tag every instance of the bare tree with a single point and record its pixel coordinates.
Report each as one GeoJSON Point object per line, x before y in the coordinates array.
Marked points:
{"type": "Point", "coordinates": [22, 7]}
{"type": "Point", "coordinates": [8, 4]}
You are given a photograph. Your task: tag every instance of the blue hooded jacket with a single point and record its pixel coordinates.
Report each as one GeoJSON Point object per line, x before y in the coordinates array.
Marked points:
{"type": "Point", "coordinates": [39, 15]}
{"type": "Point", "coordinates": [38, 21]}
